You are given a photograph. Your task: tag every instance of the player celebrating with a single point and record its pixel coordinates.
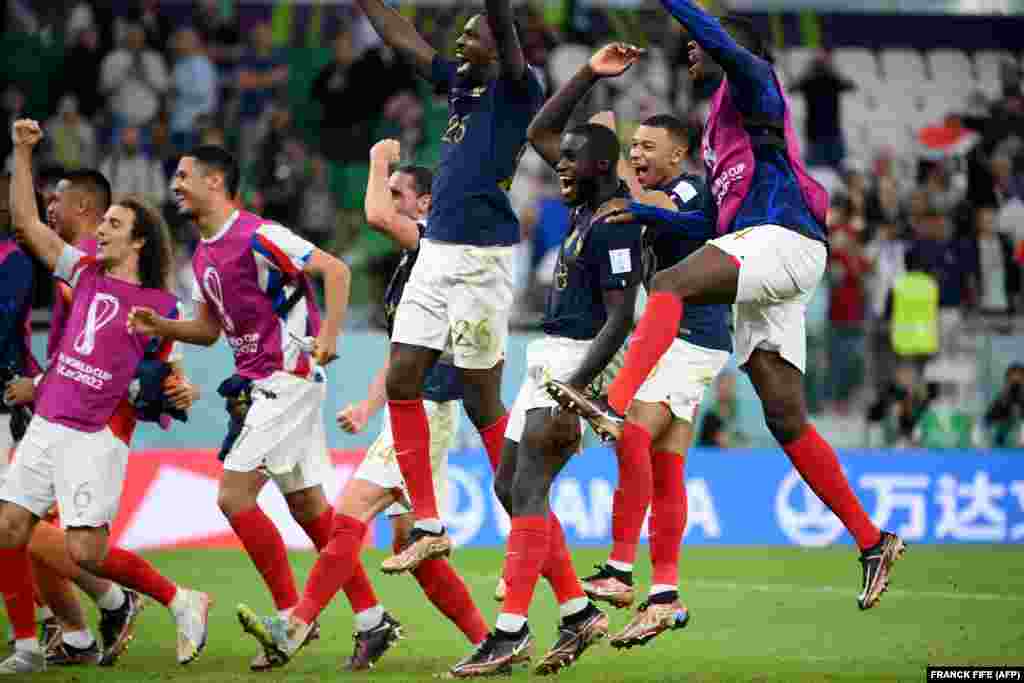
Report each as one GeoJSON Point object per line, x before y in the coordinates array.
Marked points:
{"type": "Point", "coordinates": [588, 317]}
{"type": "Point", "coordinates": [69, 454]}
{"type": "Point", "coordinates": [768, 263]}
{"type": "Point", "coordinates": [462, 287]}
{"type": "Point", "coordinates": [251, 277]}
{"type": "Point", "coordinates": [397, 206]}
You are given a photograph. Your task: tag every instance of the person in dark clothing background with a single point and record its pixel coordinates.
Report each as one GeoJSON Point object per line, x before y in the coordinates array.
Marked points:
{"type": "Point", "coordinates": [822, 86]}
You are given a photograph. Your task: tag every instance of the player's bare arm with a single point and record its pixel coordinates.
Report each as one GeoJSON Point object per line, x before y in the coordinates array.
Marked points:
{"type": "Point", "coordinates": [203, 330]}
{"type": "Point", "coordinates": [379, 207]}
{"type": "Point", "coordinates": [28, 228]}
{"type": "Point", "coordinates": [353, 418]}
{"type": "Point", "coordinates": [510, 52]}
{"type": "Point", "coordinates": [337, 278]}
{"type": "Point", "coordinates": [620, 304]}
{"type": "Point", "coordinates": [400, 34]}
{"type": "Point", "coordinates": [545, 131]}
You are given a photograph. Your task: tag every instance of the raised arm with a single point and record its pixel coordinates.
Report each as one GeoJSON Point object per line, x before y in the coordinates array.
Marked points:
{"type": "Point", "coordinates": [30, 230]}
{"type": "Point", "coordinates": [378, 204]}
{"type": "Point", "coordinates": [545, 131]}
{"type": "Point", "coordinates": [400, 34]}
{"type": "Point", "coordinates": [510, 52]}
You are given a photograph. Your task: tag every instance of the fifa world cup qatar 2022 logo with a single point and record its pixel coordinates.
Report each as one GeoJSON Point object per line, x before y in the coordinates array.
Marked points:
{"type": "Point", "coordinates": [215, 293]}
{"type": "Point", "coordinates": [102, 310]}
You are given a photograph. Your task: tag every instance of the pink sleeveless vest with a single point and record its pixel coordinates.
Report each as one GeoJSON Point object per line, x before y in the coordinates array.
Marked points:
{"type": "Point", "coordinates": [729, 159]}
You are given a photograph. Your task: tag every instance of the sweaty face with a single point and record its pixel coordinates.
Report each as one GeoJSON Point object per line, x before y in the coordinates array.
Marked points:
{"type": "Point", "coordinates": [475, 46]}
{"type": "Point", "coordinates": [655, 156]}
{"type": "Point", "coordinates": [114, 241]}
{"type": "Point", "coordinates": [188, 188]}
{"type": "Point", "coordinates": [403, 194]}
{"type": "Point", "coordinates": [577, 170]}
{"type": "Point", "coordinates": [60, 210]}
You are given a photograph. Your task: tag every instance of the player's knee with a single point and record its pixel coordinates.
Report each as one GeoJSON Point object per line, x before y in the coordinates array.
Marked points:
{"type": "Point", "coordinates": [785, 420]}
{"type": "Point", "coordinates": [404, 383]}
{"type": "Point", "coordinates": [232, 502]}
{"type": "Point", "coordinates": [86, 551]}
{"type": "Point", "coordinates": [14, 532]}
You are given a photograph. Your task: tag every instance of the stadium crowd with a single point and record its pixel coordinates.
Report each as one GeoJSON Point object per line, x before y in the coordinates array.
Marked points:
{"type": "Point", "coordinates": [926, 248]}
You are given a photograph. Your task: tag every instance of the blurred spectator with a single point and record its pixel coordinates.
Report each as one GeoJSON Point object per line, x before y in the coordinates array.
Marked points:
{"type": "Point", "coordinates": [1005, 416]}
{"type": "Point", "coordinates": [1005, 184]}
{"type": "Point", "coordinates": [194, 88]}
{"type": "Point", "coordinates": [262, 70]}
{"type": "Point", "coordinates": [914, 321]}
{"type": "Point", "coordinates": [886, 256]}
{"type": "Point", "coordinates": [71, 139]}
{"type": "Point", "coordinates": [538, 40]}
{"type": "Point", "coordinates": [719, 426]}
{"type": "Point", "coordinates": [995, 276]}
{"type": "Point", "coordinates": [883, 206]}
{"type": "Point", "coordinates": [848, 267]}
{"type": "Point", "coordinates": [133, 77]}
{"type": "Point", "coordinates": [319, 209]}
{"type": "Point", "coordinates": [219, 34]}
{"type": "Point", "coordinates": [354, 89]}
{"type": "Point", "coordinates": [279, 168]}
{"type": "Point", "coordinates": [212, 135]}
{"type": "Point", "coordinates": [82, 72]}
{"type": "Point", "coordinates": [821, 86]}
{"type": "Point", "coordinates": [156, 26]}
{"type": "Point", "coordinates": [131, 171]}
{"type": "Point", "coordinates": [943, 192]}
{"type": "Point", "coordinates": [11, 107]}
{"type": "Point", "coordinates": [944, 423]}
{"type": "Point", "coordinates": [899, 406]}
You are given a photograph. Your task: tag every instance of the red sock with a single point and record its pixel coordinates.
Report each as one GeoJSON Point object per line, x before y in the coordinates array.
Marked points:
{"type": "Point", "coordinates": [411, 433]}
{"type": "Point", "coordinates": [558, 569]}
{"type": "Point", "coordinates": [817, 463]}
{"type": "Point", "coordinates": [633, 494]}
{"type": "Point", "coordinates": [319, 529]}
{"type": "Point", "coordinates": [19, 594]}
{"type": "Point", "coordinates": [263, 543]}
{"type": "Point", "coordinates": [493, 437]}
{"type": "Point", "coordinates": [448, 592]}
{"type": "Point", "coordinates": [651, 339]}
{"type": "Point", "coordinates": [131, 571]}
{"type": "Point", "coordinates": [527, 552]}
{"type": "Point", "coordinates": [333, 569]}
{"type": "Point", "coordinates": [668, 517]}
{"type": "Point", "coordinates": [358, 589]}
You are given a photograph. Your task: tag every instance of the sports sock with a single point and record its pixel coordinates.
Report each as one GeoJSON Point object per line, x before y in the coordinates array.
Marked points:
{"type": "Point", "coordinates": [668, 517]}
{"type": "Point", "coordinates": [817, 463]}
{"type": "Point", "coordinates": [369, 618]}
{"type": "Point", "coordinates": [557, 568]}
{"type": "Point", "coordinates": [493, 437]}
{"type": "Point", "coordinates": [16, 586]}
{"type": "Point", "coordinates": [111, 600]}
{"type": "Point", "coordinates": [651, 339]}
{"type": "Point", "coordinates": [633, 494]}
{"type": "Point", "coordinates": [448, 592]}
{"type": "Point", "coordinates": [333, 569]}
{"type": "Point", "coordinates": [130, 570]}
{"type": "Point", "coordinates": [263, 542]}
{"type": "Point", "coordinates": [411, 433]}
{"type": "Point", "coordinates": [319, 529]}
{"type": "Point", "coordinates": [79, 639]}
{"type": "Point", "coordinates": [527, 552]}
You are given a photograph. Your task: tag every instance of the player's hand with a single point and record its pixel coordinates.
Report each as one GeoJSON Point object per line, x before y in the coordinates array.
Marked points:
{"type": "Point", "coordinates": [180, 392]}
{"type": "Point", "coordinates": [144, 320]}
{"type": "Point", "coordinates": [324, 348]}
{"type": "Point", "coordinates": [26, 133]}
{"type": "Point", "coordinates": [352, 418]}
{"type": "Point", "coordinates": [613, 211]}
{"type": "Point", "coordinates": [614, 59]}
{"type": "Point", "coordinates": [19, 392]}
{"type": "Point", "coordinates": [387, 150]}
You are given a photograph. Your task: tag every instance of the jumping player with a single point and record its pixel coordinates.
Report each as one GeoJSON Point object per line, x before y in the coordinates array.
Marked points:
{"type": "Point", "coordinates": [397, 206]}
{"type": "Point", "coordinates": [252, 283]}
{"type": "Point", "coordinates": [588, 316]}
{"type": "Point", "coordinates": [69, 454]}
{"type": "Point", "coordinates": [768, 261]}
{"type": "Point", "coordinates": [461, 288]}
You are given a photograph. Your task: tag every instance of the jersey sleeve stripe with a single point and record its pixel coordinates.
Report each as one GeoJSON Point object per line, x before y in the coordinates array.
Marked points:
{"type": "Point", "coordinates": [275, 255]}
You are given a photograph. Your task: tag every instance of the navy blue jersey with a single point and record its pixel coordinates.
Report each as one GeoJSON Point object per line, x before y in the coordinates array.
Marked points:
{"type": "Point", "coordinates": [15, 299]}
{"type": "Point", "coordinates": [774, 197]}
{"type": "Point", "coordinates": [704, 325]}
{"type": "Point", "coordinates": [481, 147]}
{"type": "Point", "coordinates": [443, 382]}
{"type": "Point", "coordinates": [592, 259]}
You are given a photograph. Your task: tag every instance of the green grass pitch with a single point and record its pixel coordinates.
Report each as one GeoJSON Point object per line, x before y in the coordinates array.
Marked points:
{"type": "Point", "coordinates": [759, 614]}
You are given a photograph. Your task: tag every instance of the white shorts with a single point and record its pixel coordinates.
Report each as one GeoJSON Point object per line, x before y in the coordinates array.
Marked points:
{"type": "Point", "coordinates": [681, 377]}
{"type": "Point", "coordinates": [6, 443]}
{"type": "Point", "coordinates": [83, 472]}
{"type": "Point", "coordinates": [779, 271]}
{"type": "Point", "coordinates": [380, 465]}
{"type": "Point", "coordinates": [459, 292]}
{"type": "Point", "coordinates": [283, 436]}
{"type": "Point", "coordinates": [550, 358]}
